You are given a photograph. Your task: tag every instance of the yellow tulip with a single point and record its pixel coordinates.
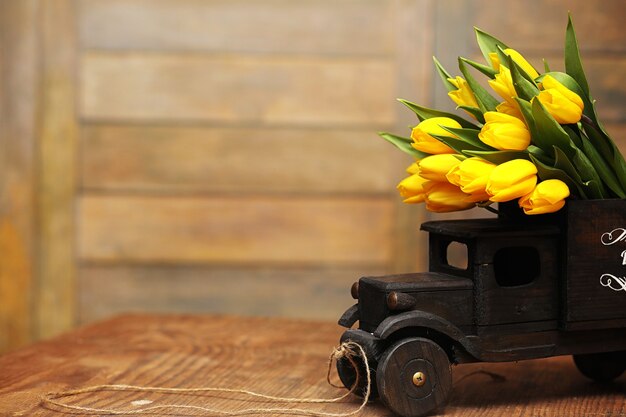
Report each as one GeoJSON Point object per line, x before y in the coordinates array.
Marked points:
{"type": "Point", "coordinates": [511, 180]}
{"type": "Point", "coordinates": [435, 167]}
{"type": "Point", "coordinates": [422, 139]}
{"type": "Point", "coordinates": [517, 58]}
{"type": "Point", "coordinates": [443, 197]}
{"type": "Point", "coordinates": [547, 197]}
{"type": "Point", "coordinates": [562, 103]}
{"type": "Point", "coordinates": [503, 85]}
{"type": "Point", "coordinates": [463, 96]}
{"type": "Point", "coordinates": [471, 175]}
{"type": "Point", "coordinates": [412, 189]}
{"type": "Point", "coordinates": [504, 132]}
{"type": "Point", "coordinates": [551, 82]}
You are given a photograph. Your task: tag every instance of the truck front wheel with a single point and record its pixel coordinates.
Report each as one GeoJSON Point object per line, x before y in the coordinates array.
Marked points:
{"type": "Point", "coordinates": [414, 377]}
{"type": "Point", "coordinates": [601, 367]}
{"type": "Point", "coordinates": [348, 376]}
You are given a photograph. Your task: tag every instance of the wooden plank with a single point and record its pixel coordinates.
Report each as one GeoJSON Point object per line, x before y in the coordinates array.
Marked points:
{"type": "Point", "coordinates": [237, 89]}
{"type": "Point", "coordinates": [617, 131]}
{"type": "Point", "coordinates": [245, 160]}
{"type": "Point", "coordinates": [414, 33]}
{"type": "Point", "coordinates": [284, 357]}
{"type": "Point", "coordinates": [245, 230]}
{"type": "Point", "coordinates": [18, 106]}
{"type": "Point", "coordinates": [319, 293]}
{"type": "Point", "coordinates": [57, 178]}
{"type": "Point", "coordinates": [595, 265]}
{"type": "Point", "coordinates": [349, 27]}
{"type": "Point", "coordinates": [540, 24]}
{"type": "Point", "coordinates": [454, 38]}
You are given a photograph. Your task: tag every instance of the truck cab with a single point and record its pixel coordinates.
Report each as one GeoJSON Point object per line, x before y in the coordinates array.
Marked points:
{"type": "Point", "coordinates": [521, 290]}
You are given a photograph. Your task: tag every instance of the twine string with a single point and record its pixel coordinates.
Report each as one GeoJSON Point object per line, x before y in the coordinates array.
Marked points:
{"type": "Point", "coordinates": [348, 350]}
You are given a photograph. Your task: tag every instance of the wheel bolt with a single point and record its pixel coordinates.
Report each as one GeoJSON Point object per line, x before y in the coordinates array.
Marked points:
{"type": "Point", "coordinates": [419, 379]}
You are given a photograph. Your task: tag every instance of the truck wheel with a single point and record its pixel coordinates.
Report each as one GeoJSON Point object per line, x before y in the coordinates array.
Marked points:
{"type": "Point", "coordinates": [347, 374]}
{"type": "Point", "coordinates": [414, 377]}
{"type": "Point", "coordinates": [601, 367]}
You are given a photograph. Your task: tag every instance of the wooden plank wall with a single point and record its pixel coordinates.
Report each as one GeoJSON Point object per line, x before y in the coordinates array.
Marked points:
{"type": "Point", "coordinates": [228, 159]}
{"type": "Point", "coordinates": [221, 156]}
{"type": "Point", "coordinates": [18, 100]}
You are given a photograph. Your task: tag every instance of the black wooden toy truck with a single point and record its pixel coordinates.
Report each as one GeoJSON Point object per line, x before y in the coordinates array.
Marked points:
{"type": "Point", "coordinates": [532, 288]}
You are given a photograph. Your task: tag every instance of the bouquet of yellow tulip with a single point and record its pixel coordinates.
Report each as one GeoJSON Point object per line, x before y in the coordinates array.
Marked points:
{"type": "Point", "coordinates": [539, 143]}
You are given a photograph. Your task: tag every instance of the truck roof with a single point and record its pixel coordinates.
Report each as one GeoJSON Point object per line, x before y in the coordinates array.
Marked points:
{"type": "Point", "coordinates": [435, 281]}
{"type": "Point", "coordinates": [488, 228]}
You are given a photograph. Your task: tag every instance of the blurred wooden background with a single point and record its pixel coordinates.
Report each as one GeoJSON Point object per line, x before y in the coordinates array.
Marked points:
{"type": "Point", "coordinates": [221, 156]}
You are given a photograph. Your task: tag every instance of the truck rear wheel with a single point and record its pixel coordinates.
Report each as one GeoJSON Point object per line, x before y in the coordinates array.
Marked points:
{"type": "Point", "coordinates": [414, 377]}
{"type": "Point", "coordinates": [601, 367]}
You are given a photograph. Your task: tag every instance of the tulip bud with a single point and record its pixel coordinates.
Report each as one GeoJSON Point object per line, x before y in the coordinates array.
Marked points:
{"type": "Point", "coordinates": [443, 197]}
{"type": "Point", "coordinates": [424, 142]}
{"type": "Point", "coordinates": [435, 167]}
{"type": "Point", "coordinates": [517, 58]}
{"type": "Point", "coordinates": [412, 189]}
{"type": "Point", "coordinates": [511, 180]}
{"type": "Point", "coordinates": [547, 197]}
{"type": "Point", "coordinates": [463, 96]}
{"type": "Point", "coordinates": [562, 103]}
{"type": "Point", "coordinates": [504, 132]}
{"type": "Point", "coordinates": [471, 175]}
{"type": "Point", "coordinates": [503, 84]}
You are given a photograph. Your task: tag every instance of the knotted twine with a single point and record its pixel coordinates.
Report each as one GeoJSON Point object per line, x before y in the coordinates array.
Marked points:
{"type": "Point", "coordinates": [348, 350]}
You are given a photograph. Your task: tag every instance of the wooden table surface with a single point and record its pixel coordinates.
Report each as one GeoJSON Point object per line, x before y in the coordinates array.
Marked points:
{"type": "Point", "coordinates": [274, 356]}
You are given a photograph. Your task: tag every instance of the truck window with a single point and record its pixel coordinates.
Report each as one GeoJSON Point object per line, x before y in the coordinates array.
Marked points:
{"type": "Point", "coordinates": [456, 255]}
{"type": "Point", "coordinates": [517, 265]}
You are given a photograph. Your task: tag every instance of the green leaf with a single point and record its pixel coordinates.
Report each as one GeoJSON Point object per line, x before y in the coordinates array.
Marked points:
{"type": "Point", "coordinates": [549, 131]}
{"type": "Point", "coordinates": [562, 162]}
{"type": "Point", "coordinates": [573, 63]}
{"type": "Point", "coordinates": [525, 88]}
{"type": "Point", "coordinates": [486, 101]}
{"type": "Point", "coordinates": [404, 144]}
{"type": "Point", "coordinates": [424, 113]}
{"type": "Point", "coordinates": [459, 145]}
{"type": "Point", "coordinates": [540, 155]}
{"type": "Point", "coordinates": [527, 111]}
{"type": "Point", "coordinates": [607, 175]}
{"type": "Point", "coordinates": [546, 172]}
{"type": "Point", "coordinates": [593, 189]}
{"type": "Point", "coordinates": [488, 43]}
{"type": "Point", "coordinates": [471, 137]}
{"type": "Point", "coordinates": [581, 171]}
{"type": "Point", "coordinates": [474, 111]}
{"type": "Point", "coordinates": [621, 168]}
{"type": "Point", "coordinates": [444, 75]}
{"type": "Point", "coordinates": [609, 151]}
{"type": "Point", "coordinates": [487, 70]}
{"type": "Point", "coordinates": [573, 135]}
{"type": "Point", "coordinates": [546, 67]}
{"type": "Point", "coordinates": [498, 157]}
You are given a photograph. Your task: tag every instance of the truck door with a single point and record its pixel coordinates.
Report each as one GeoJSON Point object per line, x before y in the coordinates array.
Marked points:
{"type": "Point", "coordinates": [517, 279]}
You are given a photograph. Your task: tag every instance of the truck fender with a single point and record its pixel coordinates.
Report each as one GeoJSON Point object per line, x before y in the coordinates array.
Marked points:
{"type": "Point", "coordinates": [350, 317]}
{"type": "Point", "coordinates": [422, 319]}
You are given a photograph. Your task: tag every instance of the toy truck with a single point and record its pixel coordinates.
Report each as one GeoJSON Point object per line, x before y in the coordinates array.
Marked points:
{"type": "Point", "coordinates": [533, 287]}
